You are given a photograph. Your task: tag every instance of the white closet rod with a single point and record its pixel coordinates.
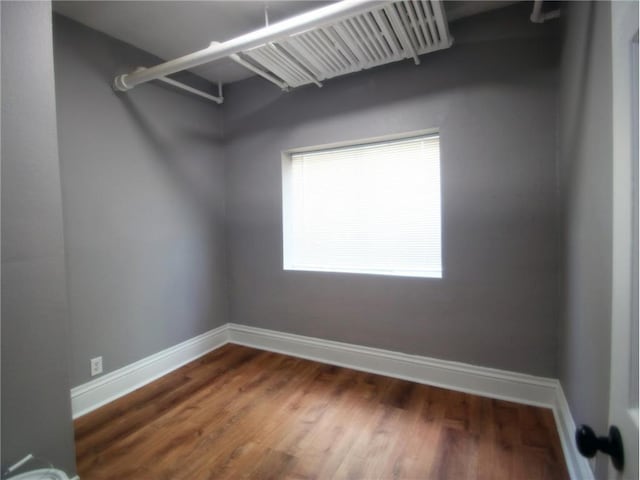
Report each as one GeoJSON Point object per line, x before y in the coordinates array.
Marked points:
{"type": "Point", "coordinates": [273, 32]}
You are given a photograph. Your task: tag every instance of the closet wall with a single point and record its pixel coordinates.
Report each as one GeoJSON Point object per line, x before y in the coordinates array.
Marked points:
{"type": "Point", "coordinates": [493, 96]}
{"type": "Point", "coordinates": [147, 175]}
{"type": "Point", "coordinates": [36, 412]}
{"type": "Point", "coordinates": [144, 202]}
{"type": "Point", "coordinates": [586, 169]}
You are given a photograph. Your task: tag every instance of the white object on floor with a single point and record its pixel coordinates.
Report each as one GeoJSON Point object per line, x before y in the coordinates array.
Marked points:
{"type": "Point", "coordinates": [41, 474]}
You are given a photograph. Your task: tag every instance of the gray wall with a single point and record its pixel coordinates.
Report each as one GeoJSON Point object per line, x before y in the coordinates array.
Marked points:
{"type": "Point", "coordinates": [586, 185]}
{"type": "Point", "coordinates": [493, 97]}
{"type": "Point", "coordinates": [36, 413]}
{"type": "Point", "coordinates": [144, 201]}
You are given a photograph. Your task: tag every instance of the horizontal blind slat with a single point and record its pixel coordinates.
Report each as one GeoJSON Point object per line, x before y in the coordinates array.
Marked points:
{"type": "Point", "coordinates": [372, 207]}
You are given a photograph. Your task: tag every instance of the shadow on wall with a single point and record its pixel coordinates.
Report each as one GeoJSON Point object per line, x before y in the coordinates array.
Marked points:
{"type": "Point", "coordinates": [95, 64]}
{"type": "Point", "coordinates": [192, 174]}
{"type": "Point", "coordinates": [492, 60]}
{"type": "Point", "coordinates": [576, 99]}
{"type": "Point", "coordinates": [585, 185]}
{"type": "Point", "coordinates": [108, 58]}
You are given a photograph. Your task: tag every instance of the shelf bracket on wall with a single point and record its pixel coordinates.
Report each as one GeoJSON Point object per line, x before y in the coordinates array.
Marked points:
{"type": "Point", "coordinates": [538, 17]}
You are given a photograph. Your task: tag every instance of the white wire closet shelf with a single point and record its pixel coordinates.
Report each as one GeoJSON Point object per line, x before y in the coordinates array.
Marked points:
{"type": "Point", "coordinates": [339, 39]}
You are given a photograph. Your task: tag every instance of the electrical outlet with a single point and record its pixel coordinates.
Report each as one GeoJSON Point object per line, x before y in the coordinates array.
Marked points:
{"type": "Point", "coordinates": [96, 366]}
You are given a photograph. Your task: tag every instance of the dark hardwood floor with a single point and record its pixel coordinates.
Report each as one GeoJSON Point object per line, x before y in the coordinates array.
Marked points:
{"type": "Point", "coordinates": [244, 413]}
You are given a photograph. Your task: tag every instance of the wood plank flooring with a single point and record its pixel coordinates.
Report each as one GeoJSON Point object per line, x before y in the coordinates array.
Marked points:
{"type": "Point", "coordinates": [239, 412]}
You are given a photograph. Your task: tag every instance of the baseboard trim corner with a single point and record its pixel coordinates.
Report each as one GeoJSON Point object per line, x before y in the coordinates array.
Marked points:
{"type": "Point", "coordinates": [579, 468]}
{"type": "Point", "coordinates": [489, 382]}
{"type": "Point", "coordinates": [95, 393]}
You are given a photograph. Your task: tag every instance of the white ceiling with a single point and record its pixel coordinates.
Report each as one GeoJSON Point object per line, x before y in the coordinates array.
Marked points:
{"type": "Point", "coordinates": [170, 29]}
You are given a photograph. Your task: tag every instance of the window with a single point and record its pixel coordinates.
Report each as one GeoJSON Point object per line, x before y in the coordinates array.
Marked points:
{"type": "Point", "coordinates": [365, 208]}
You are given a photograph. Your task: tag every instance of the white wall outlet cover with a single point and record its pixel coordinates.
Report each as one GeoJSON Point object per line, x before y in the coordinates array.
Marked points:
{"type": "Point", "coordinates": [96, 366]}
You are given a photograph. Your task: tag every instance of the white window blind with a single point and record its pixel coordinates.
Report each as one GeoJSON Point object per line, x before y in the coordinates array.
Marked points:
{"type": "Point", "coordinates": [370, 208]}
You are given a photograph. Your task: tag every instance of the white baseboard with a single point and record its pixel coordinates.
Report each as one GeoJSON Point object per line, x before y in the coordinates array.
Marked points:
{"type": "Point", "coordinates": [579, 468]}
{"type": "Point", "coordinates": [488, 382]}
{"type": "Point", "coordinates": [105, 389]}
